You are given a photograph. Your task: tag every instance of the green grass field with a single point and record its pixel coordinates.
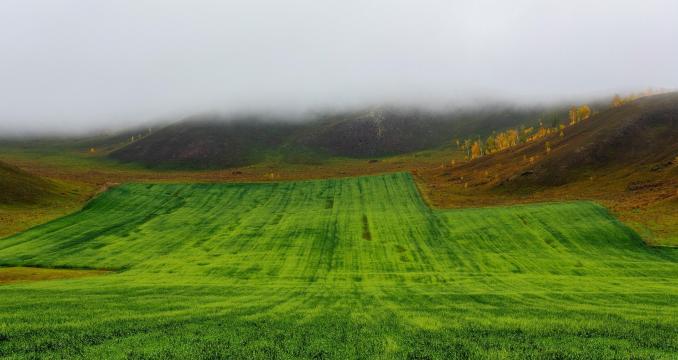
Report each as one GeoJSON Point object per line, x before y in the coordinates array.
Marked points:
{"type": "Point", "coordinates": [346, 268]}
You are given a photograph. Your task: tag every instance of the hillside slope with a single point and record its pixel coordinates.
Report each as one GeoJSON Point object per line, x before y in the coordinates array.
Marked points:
{"type": "Point", "coordinates": [362, 223]}
{"type": "Point", "coordinates": [625, 157]}
{"type": "Point", "coordinates": [390, 131]}
{"type": "Point", "coordinates": [207, 143]}
{"type": "Point", "coordinates": [641, 135]}
{"type": "Point", "coordinates": [342, 268]}
{"type": "Point", "coordinates": [20, 187]}
{"type": "Point", "coordinates": [216, 142]}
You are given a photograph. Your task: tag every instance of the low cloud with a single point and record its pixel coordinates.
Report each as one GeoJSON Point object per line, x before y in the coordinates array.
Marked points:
{"type": "Point", "coordinates": [71, 66]}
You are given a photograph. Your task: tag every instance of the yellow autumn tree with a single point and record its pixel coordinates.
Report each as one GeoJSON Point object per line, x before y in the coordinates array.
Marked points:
{"type": "Point", "coordinates": [583, 112]}
{"type": "Point", "coordinates": [617, 101]}
{"type": "Point", "coordinates": [513, 136]}
{"type": "Point", "coordinates": [475, 150]}
{"type": "Point", "coordinates": [501, 141]}
{"type": "Point", "coordinates": [572, 115]}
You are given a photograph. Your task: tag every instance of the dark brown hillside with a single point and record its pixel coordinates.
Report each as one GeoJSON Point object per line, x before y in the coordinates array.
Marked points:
{"type": "Point", "coordinates": [221, 143]}
{"type": "Point", "coordinates": [643, 133]}
{"type": "Point", "coordinates": [392, 131]}
{"type": "Point", "coordinates": [207, 143]}
{"type": "Point", "coordinates": [376, 133]}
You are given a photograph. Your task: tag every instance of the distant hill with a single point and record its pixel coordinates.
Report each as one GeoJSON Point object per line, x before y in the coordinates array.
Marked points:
{"type": "Point", "coordinates": [214, 142]}
{"type": "Point", "coordinates": [20, 187]}
{"type": "Point", "coordinates": [625, 158]}
{"type": "Point", "coordinates": [389, 131]}
{"type": "Point", "coordinates": [644, 132]}
{"type": "Point", "coordinates": [641, 133]}
{"type": "Point", "coordinates": [633, 146]}
{"type": "Point", "coordinates": [207, 143]}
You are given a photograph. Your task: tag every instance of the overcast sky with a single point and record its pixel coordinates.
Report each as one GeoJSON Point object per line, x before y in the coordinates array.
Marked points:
{"type": "Point", "coordinates": [80, 65]}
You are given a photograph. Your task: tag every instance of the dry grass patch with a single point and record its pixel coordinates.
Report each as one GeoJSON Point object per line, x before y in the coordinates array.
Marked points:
{"type": "Point", "coordinates": [10, 275]}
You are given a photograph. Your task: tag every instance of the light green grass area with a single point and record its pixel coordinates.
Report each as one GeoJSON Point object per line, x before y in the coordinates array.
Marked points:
{"type": "Point", "coordinates": [344, 268]}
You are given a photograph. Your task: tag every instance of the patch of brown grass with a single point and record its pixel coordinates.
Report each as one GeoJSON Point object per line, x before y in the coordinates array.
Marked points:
{"type": "Point", "coordinates": [10, 275]}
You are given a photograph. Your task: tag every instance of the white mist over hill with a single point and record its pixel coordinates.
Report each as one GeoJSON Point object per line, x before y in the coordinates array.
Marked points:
{"type": "Point", "coordinates": [74, 65]}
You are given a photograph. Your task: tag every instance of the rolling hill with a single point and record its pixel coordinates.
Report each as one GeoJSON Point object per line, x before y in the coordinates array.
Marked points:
{"type": "Point", "coordinates": [625, 157]}
{"type": "Point", "coordinates": [219, 142]}
{"type": "Point", "coordinates": [207, 143]}
{"type": "Point", "coordinates": [641, 135]}
{"type": "Point", "coordinates": [392, 131]}
{"type": "Point", "coordinates": [20, 187]}
{"type": "Point", "coordinates": [237, 217]}
{"type": "Point", "coordinates": [338, 268]}
{"type": "Point", "coordinates": [31, 198]}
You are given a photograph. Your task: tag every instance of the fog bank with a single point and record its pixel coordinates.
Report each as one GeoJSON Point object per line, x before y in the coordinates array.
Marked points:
{"type": "Point", "coordinates": [70, 65]}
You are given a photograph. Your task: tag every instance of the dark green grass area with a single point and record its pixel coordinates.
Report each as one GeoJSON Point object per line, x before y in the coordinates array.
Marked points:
{"type": "Point", "coordinates": [346, 268]}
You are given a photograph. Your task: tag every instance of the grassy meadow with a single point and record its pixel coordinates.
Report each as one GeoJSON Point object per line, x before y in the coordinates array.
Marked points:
{"type": "Point", "coordinates": [343, 268]}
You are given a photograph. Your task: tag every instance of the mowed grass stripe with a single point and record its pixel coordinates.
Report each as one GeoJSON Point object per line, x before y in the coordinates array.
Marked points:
{"type": "Point", "coordinates": [339, 268]}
